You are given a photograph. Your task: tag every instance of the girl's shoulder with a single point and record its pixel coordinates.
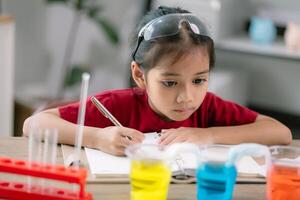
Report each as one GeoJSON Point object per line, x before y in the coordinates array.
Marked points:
{"type": "Point", "coordinates": [211, 97]}
{"type": "Point", "coordinates": [213, 101]}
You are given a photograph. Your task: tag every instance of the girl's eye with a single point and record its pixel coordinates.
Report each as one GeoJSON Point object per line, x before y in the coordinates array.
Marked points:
{"type": "Point", "coordinates": [169, 83]}
{"type": "Point", "coordinates": [198, 81]}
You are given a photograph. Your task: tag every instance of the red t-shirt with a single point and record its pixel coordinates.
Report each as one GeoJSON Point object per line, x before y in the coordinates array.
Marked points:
{"type": "Point", "coordinates": [131, 108]}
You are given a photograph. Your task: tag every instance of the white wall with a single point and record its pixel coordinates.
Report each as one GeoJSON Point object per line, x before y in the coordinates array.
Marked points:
{"type": "Point", "coordinates": [273, 82]}
{"type": "Point", "coordinates": [7, 39]}
{"type": "Point", "coordinates": [30, 37]}
{"type": "Point", "coordinates": [41, 32]}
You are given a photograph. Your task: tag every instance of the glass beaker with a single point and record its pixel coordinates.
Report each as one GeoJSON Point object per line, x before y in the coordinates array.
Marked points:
{"type": "Point", "coordinates": [216, 173]}
{"type": "Point", "coordinates": [215, 179]}
{"type": "Point", "coordinates": [283, 180]}
{"type": "Point", "coordinates": [150, 173]}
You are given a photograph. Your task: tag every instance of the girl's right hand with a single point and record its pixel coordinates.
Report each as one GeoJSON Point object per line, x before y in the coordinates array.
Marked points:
{"type": "Point", "coordinates": [115, 139]}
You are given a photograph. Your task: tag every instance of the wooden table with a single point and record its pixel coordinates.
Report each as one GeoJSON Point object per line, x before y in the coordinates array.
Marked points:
{"type": "Point", "coordinates": [16, 147]}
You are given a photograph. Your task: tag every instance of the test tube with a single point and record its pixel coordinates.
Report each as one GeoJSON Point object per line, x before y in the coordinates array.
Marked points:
{"type": "Point", "coordinates": [81, 116]}
{"type": "Point", "coordinates": [53, 145]}
{"type": "Point", "coordinates": [34, 150]}
{"type": "Point", "coordinates": [50, 146]}
{"type": "Point", "coordinates": [49, 150]}
{"type": "Point", "coordinates": [80, 121]}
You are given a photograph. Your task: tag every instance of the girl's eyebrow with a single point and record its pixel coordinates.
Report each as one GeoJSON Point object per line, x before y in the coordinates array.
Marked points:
{"type": "Point", "coordinates": [169, 74]}
{"type": "Point", "coordinates": [174, 74]}
{"type": "Point", "coordinates": [203, 72]}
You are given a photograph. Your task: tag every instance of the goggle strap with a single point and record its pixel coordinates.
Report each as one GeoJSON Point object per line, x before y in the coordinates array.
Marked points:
{"type": "Point", "coordinates": [137, 46]}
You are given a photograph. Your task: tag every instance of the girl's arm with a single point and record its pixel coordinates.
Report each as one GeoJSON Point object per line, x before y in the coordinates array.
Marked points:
{"type": "Point", "coordinates": [110, 139]}
{"type": "Point", "coordinates": [265, 130]}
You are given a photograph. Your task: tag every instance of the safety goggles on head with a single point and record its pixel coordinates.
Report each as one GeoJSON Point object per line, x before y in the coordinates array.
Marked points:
{"type": "Point", "coordinates": [169, 25]}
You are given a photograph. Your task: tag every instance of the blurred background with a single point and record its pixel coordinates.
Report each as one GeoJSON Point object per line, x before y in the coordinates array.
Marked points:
{"type": "Point", "coordinates": [45, 46]}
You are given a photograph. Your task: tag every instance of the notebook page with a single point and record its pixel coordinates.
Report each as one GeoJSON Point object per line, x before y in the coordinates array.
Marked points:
{"type": "Point", "coordinates": [246, 166]}
{"type": "Point", "coordinates": [151, 138]}
{"type": "Point", "coordinates": [106, 164]}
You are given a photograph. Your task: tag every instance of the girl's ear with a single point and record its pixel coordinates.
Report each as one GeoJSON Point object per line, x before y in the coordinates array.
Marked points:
{"type": "Point", "coordinates": [138, 75]}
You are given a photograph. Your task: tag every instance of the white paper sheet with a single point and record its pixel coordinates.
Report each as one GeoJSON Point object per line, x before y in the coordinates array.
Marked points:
{"type": "Point", "coordinates": [103, 164]}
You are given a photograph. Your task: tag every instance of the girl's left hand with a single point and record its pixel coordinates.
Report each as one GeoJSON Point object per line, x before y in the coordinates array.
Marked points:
{"type": "Point", "coordinates": [185, 134]}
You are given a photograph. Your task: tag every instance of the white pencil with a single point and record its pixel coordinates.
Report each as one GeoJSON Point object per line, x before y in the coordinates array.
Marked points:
{"type": "Point", "coordinates": [106, 113]}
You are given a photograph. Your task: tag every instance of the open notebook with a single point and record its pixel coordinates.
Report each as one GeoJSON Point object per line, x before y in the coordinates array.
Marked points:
{"type": "Point", "coordinates": [104, 165]}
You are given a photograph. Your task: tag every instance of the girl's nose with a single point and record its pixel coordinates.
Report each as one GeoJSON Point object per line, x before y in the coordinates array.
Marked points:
{"type": "Point", "coordinates": [185, 95]}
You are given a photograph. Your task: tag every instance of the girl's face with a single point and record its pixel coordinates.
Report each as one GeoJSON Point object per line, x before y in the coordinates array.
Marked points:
{"type": "Point", "coordinates": [176, 91]}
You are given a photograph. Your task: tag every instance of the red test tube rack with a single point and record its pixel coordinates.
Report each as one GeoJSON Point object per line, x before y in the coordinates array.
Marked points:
{"type": "Point", "coordinates": [19, 190]}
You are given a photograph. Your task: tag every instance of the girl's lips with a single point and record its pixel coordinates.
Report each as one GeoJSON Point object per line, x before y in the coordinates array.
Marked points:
{"type": "Point", "coordinates": [184, 110]}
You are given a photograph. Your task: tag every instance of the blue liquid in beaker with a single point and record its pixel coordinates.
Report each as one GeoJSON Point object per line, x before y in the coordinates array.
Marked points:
{"type": "Point", "coordinates": [215, 181]}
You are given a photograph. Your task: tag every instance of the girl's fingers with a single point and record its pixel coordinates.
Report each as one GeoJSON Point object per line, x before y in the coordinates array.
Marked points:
{"type": "Point", "coordinates": [177, 140]}
{"type": "Point", "coordinates": [167, 139]}
{"type": "Point", "coordinates": [164, 135]}
{"type": "Point", "coordinates": [133, 135]}
{"type": "Point", "coordinates": [166, 130]}
{"type": "Point", "coordinates": [124, 142]}
{"type": "Point", "coordinates": [120, 151]}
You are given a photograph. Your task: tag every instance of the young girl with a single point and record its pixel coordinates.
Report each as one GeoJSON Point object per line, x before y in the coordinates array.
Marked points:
{"type": "Point", "coordinates": [172, 58]}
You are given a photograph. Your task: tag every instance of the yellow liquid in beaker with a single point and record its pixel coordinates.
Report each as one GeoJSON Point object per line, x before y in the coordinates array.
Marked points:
{"type": "Point", "coordinates": [149, 180]}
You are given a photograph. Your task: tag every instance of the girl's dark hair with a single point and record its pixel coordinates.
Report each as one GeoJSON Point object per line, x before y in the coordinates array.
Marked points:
{"type": "Point", "coordinates": [151, 52]}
